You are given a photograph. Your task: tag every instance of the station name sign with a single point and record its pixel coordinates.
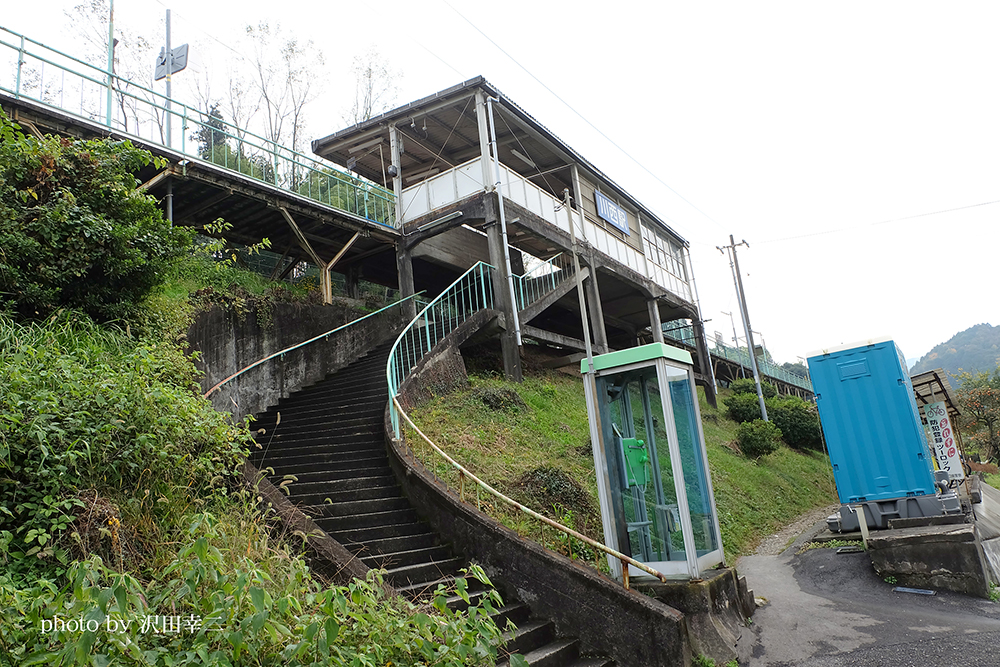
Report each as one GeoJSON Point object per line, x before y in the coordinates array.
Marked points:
{"type": "Point", "coordinates": [612, 212]}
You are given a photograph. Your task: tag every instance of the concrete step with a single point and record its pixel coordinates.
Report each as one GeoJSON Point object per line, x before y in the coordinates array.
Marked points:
{"type": "Point", "coordinates": [516, 613]}
{"type": "Point", "coordinates": [391, 517]}
{"type": "Point", "coordinates": [308, 409]}
{"type": "Point", "coordinates": [329, 461]}
{"type": "Point", "coordinates": [356, 537]}
{"type": "Point", "coordinates": [340, 487]}
{"type": "Point", "coordinates": [424, 589]}
{"type": "Point", "coordinates": [592, 662]}
{"type": "Point", "coordinates": [315, 499]}
{"type": "Point", "coordinates": [391, 545]}
{"type": "Point", "coordinates": [408, 557]}
{"type": "Point", "coordinates": [311, 474]}
{"type": "Point", "coordinates": [422, 572]}
{"type": "Point", "coordinates": [353, 508]}
{"type": "Point", "coordinates": [559, 653]}
{"type": "Point", "coordinates": [357, 448]}
{"type": "Point", "coordinates": [333, 423]}
{"type": "Point", "coordinates": [361, 437]}
{"type": "Point", "coordinates": [529, 635]}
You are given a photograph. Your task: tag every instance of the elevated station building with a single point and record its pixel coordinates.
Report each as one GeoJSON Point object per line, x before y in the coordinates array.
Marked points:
{"type": "Point", "coordinates": [452, 157]}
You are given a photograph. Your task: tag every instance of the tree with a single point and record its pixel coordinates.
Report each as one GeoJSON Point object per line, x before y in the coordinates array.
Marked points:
{"type": "Point", "coordinates": [375, 86]}
{"type": "Point", "coordinates": [212, 134]}
{"type": "Point", "coordinates": [286, 73]}
{"type": "Point", "coordinates": [74, 230]}
{"type": "Point", "coordinates": [797, 368]}
{"type": "Point", "coordinates": [133, 64]}
{"type": "Point", "coordinates": [979, 399]}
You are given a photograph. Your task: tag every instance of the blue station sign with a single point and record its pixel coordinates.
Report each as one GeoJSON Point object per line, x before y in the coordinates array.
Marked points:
{"type": "Point", "coordinates": [612, 212]}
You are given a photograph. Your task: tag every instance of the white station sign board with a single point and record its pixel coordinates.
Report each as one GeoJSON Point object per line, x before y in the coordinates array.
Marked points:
{"type": "Point", "coordinates": [942, 440]}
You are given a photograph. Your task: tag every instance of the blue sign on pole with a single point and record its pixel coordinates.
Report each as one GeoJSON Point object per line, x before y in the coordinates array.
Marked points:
{"type": "Point", "coordinates": [612, 212]}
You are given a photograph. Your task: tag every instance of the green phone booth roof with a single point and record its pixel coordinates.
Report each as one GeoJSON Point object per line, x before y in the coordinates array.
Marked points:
{"type": "Point", "coordinates": [634, 355]}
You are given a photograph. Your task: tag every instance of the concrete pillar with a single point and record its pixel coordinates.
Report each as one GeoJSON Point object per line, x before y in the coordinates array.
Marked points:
{"type": "Point", "coordinates": [351, 282]}
{"type": "Point", "coordinates": [654, 320]}
{"type": "Point", "coordinates": [704, 360]}
{"type": "Point", "coordinates": [594, 309]}
{"type": "Point", "coordinates": [404, 269]}
{"type": "Point", "coordinates": [503, 303]}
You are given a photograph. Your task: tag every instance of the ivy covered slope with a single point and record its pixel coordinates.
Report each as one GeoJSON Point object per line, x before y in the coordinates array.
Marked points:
{"type": "Point", "coordinates": [127, 536]}
{"type": "Point", "coordinates": [532, 442]}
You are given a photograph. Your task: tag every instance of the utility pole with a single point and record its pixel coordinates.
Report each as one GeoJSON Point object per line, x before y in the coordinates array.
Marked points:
{"type": "Point", "coordinates": [734, 264]}
{"type": "Point", "coordinates": [111, 57]}
{"type": "Point", "coordinates": [170, 65]}
{"type": "Point", "coordinates": [736, 340]}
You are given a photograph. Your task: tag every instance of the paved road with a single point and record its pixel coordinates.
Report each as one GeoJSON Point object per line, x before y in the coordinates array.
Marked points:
{"type": "Point", "coordinates": [829, 610]}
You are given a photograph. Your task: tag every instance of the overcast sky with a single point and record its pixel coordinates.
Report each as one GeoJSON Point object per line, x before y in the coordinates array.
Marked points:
{"type": "Point", "coordinates": [817, 132]}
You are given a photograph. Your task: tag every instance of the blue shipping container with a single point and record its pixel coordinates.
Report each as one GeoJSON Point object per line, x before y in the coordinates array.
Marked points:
{"type": "Point", "coordinates": [871, 423]}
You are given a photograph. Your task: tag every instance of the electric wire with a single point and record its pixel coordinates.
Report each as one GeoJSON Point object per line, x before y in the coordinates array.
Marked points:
{"type": "Point", "coordinates": [526, 153]}
{"type": "Point", "coordinates": [582, 117]}
{"type": "Point", "coordinates": [881, 222]}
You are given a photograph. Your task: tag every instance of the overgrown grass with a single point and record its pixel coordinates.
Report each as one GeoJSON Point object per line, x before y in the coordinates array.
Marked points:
{"type": "Point", "coordinates": [120, 502]}
{"type": "Point", "coordinates": [754, 498]}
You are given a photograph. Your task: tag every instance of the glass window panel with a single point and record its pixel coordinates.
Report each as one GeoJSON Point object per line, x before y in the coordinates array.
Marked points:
{"type": "Point", "coordinates": [692, 460]}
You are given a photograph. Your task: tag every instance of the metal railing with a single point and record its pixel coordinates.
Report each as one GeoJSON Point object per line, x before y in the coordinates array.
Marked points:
{"type": "Point", "coordinates": [34, 71]}
{"type": "Point", "coordinates": [684, 333]}
{"type": "Point", "coordinates": [325, 335]}
{"type": "Point", "coordinates": [541, 280]}
{"type": "Point", "coordinates": [464, 473]}
{"type": "Point", "coordinates": [472, 292]}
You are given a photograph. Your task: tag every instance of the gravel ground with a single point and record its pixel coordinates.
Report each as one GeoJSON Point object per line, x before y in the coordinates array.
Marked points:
{"type": "Point", "coordinates": [777, 543]}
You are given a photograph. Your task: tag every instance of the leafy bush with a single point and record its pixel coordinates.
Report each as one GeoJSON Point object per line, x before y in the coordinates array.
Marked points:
{"type": "Point", "coordinates": [798, 421]}
{"type": "Point", "coordinates": [224, 610]}
{"type": "Point", "coordinates": [743, 407]}
{"type": "Point", "coordinates": [748, 386]}
{"type": "Point", "coordinates": [74, 231]}
{"type": "Point", "coordinates": [743, 386]}
{"type": "Point", "coordinates": [85, 408]}
{"type": "Point", "coordinates": [758, 438]}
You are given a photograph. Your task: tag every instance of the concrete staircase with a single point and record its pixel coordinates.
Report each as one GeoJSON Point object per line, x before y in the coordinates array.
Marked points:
{"type": "Point", "coordinates": [330, 438]}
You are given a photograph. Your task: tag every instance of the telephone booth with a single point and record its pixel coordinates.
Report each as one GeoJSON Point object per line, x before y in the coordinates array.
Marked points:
{"type": "Point", "coordinates": [655, 490]}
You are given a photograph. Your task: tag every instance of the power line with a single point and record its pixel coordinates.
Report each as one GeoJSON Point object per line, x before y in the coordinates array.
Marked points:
{"type": "Point", "coordinates": [883, 222]}
{"type": "Point", "coordinates": [581, 116]}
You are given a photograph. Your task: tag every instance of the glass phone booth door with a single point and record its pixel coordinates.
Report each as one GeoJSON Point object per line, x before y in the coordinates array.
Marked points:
{"type": "Point", "coordinates": [656, 495]}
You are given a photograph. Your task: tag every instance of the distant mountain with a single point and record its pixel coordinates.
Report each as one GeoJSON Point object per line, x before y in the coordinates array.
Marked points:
{"type": "Point", "coordinates": [975, 349]}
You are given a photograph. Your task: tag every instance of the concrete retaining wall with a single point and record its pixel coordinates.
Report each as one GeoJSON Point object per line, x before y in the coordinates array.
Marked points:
{"type": "Point", "coordinates": [576, 598]}
{"type": "Point", "coordinates": [228, 342]}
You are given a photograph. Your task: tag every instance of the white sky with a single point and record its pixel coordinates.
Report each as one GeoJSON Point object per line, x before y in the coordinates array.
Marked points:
{"type": "Point", "coordinates": [798, 126]}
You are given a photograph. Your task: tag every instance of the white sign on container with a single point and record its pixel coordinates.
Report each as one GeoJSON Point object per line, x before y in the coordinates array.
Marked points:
{"type": "Point", "coordinates": [943, 440]}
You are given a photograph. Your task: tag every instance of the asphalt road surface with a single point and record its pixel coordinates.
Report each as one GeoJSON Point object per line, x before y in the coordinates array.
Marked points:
{"type": "Point", "coordinates": [828, 610]}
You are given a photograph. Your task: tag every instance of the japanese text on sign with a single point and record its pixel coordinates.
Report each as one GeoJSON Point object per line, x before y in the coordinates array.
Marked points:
{"type": "Point", "coordinates": [943, 440]}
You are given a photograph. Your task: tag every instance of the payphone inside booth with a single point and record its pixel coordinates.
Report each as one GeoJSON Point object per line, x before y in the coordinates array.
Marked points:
{"type": "Point", "coordinates": [657, 504]}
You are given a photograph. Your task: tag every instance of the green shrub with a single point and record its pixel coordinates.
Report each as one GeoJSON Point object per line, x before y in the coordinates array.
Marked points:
{"type": "Point", "coordinates": [74, 231]}
{"type": "Point", "coordinates": [223, 609]}
{"type": "Point", "coordinates": [743, 407]}
{"type": "Point", "coordinates": [798, 421]}
{"type": "Point", "coordinates": [758, 438]}
{"type": "Point", "coordinates": [748, 386]}
{"type": "Point", "coordinates": [83, 408]}
{"type": "Point", "coordinates": [743, 386]}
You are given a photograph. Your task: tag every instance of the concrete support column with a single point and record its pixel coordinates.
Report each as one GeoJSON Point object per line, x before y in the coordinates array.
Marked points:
{"type": "Point", "coordinates": [594, 309]}
{"type": "Point", "coordinates": [654, 320]}
{"type": "Point", "coordinates": [503, 302]}
{"type": "Point", "coordinates": [352, 279]}
{"type": "Point", "coordinates": [704, 361]}
{"type": "Point", "coordinates": [404, 269]}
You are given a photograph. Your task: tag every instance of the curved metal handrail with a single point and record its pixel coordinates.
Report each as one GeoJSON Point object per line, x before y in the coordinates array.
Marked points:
{"type": "Point", "coordinates": [463, 473]}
